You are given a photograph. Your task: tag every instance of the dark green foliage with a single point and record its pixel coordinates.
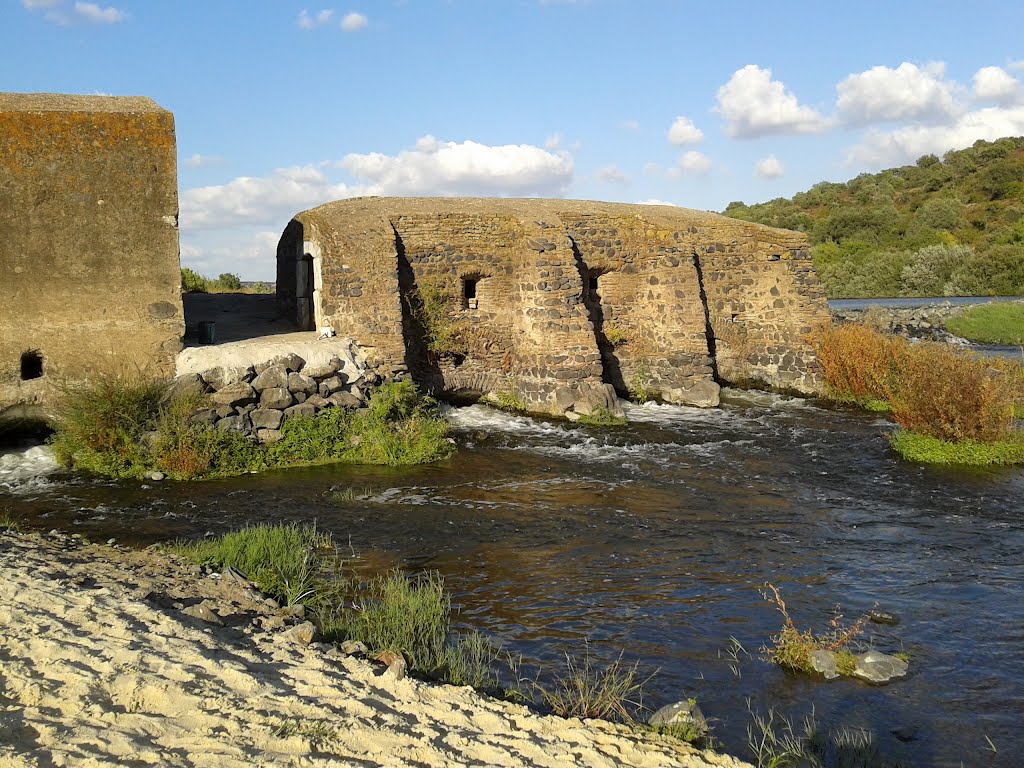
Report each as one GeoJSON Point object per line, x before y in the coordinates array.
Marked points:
{"type": "Point", "coordinates": [227, 282]}
{"type": "Point", "coordinates": [868, 230]}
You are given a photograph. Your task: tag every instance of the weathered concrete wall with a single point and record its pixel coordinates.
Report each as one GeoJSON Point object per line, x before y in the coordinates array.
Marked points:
{"type": "Point", "coordinates": [575, 301]}
{"type": "Point", "coordinates": [89, 271]}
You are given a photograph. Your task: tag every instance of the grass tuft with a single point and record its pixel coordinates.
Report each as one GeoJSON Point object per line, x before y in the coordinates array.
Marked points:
{"type": "Point", "coordinates": [602, 417]}
{"type": "Point", "coordinates": [283, 561]}
{"type": "Point", "coordinates": [586, 691]}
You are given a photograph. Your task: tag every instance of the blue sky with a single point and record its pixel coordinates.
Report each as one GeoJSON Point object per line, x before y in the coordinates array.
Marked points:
{"type": "Point", "coordinates": [283, 105]}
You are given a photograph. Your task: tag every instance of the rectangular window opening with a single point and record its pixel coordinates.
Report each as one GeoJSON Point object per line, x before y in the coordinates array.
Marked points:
{"type": "Point", "coordinates": [31, 365]}
{"type": "Point", "coordinates": [469, 300]}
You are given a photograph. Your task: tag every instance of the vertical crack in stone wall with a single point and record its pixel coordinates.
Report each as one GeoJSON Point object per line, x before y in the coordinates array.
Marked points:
{"type": "Point", "coordinates": [709, 331]}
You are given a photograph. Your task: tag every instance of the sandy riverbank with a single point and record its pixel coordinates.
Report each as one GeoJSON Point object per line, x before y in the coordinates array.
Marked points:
{"type": "Point", "coordinates": [100, 666]}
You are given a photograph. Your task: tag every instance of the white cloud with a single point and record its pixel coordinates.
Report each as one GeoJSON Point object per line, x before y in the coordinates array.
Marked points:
{"type": "Point", "coordinates": [769, 168]}
{"type": "Point", "coordinates": [753, 104]}
{"type": "Point", "coordinates": [611, 174]}
{"type": "Point", "coordinates": [1016, 66]}
{"type": "Point", "coordinates": [655, 201]}
{"type": "Point", "coordinates": [996, 84]}
{"type": "Point", "coordinates": [885, 148]}
{"type": "Point", "coordinates": [692, 162]}
{"type": "Point", "coordinates": [267, 201]}
{"type": "Point", "coordinates": [908, 92]}
{"type": "Point", "coordinates": [353, 22]}
{"type": "Point", "coordinates": [202, 161]}
{"type": "Point", "coordinates": [651, 169]}
{"type": "Point", "coordinates": [308, 21]}
{"type": "Point", "coordinates": [683, 131]}
{"type": "Point", "coordinates": [91, 12]}
{"type": "Point", "coordinates": [468, 168]}
{"type": "Point", "coordinates": [631, 125]}
{"type": "Point", "coordinates": [554, 141]}
{"type": "Point", "coordinates": [57, 12]}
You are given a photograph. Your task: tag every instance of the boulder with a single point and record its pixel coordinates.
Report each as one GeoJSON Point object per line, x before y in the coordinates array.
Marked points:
{"type": "Point", "coordinates": [205, 416]}
{"type": "Point", "coordinates": [266, 418]}
{"type": "Point", "coordinates": [321, 369]}
{"type": "Point", "coordinates": [277, 398]}
{"type": "Point", "coordinates": [302, 409]}
{"type": "Point", "coordinates": [189, 384]}
{"type": "Point", "coordinates": [300, 397]}
{"type": "Point", "coordinates": [396, 664]}
{"type": "Point", "coordinates": [234, 424]}
{"type": "Point", "coordinates": [825, 663]}
{"type": "Point", "coordinates": [268, 436]}
{"type": "Point", "coordinates": [274, 376]}
{"type": "Point", "coordinates": [332, 385]}
{"type": "Point", "coordinates": [682, 712]}
{"type": "Point", "coordinates": [352, 647]}
{"type": "Point", "coordinates": [220, 376]}
{"type": "Point", "coordinates": [291, 361]}
{"type": "Point", "coordinates": [297, 382]}
{"type": "Point", "coordinates": [238, 393]}
{"type": "Point", "coordinates": [224, 411]}
{"type": "Point", "coordinates": [879, 668]}
{"type": "Point", "coordinates": [317, 402]}
{"type": "Point", "coordinates": [203, 612]}
{"type": "Point", "coordinates": [345, 400]}
{"type": "Point", "coordinates": [702, 394]}
{"type": "Point", "coordinates": [300, 634]}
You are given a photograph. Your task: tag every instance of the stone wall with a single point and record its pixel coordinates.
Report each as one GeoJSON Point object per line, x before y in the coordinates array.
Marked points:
{"type": "Point", "coordinates": [572, 302]}
{"type": "Point", "coordinates": [89, 272]}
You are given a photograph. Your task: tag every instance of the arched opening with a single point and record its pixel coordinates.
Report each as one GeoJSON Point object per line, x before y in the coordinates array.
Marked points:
{"type": "Point", "coordinates": [304, 293]}
{"type": "Point", "coordinates": [31, 365]}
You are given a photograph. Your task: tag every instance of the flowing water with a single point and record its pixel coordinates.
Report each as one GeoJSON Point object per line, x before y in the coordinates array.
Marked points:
{"type": "Point", "coordinates": [654, 540]}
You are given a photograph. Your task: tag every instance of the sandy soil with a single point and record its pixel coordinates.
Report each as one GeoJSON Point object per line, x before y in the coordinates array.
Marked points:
{"type": "Point", "coordinates": [100, 666]}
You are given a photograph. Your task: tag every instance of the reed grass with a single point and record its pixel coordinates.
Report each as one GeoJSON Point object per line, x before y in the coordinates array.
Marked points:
{"type": "Point", "coordinates": [585, 690]}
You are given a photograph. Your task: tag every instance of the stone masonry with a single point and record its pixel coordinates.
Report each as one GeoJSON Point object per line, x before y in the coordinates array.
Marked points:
{"type": "Point", "coordinates": [563, 305]}
{"type": "Point", "coordinates": [89, 273]}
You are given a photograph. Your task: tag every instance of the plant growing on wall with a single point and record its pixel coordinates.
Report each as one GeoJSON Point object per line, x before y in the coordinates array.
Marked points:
{"type": "Point", "coordinates": [432, 305]}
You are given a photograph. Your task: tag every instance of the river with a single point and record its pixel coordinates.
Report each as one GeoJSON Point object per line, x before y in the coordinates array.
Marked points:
{"type": "Point", "coordinates": [654, 540]}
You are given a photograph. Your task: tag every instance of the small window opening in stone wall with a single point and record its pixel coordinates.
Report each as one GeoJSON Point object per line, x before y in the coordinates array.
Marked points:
{"type": "Point", "coordinates": [31, 365]}
{"type": "Point", "coordinates": [469, 299]}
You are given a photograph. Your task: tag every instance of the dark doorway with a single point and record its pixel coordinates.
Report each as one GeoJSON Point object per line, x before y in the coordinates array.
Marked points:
{"type": "Point", "coordinates": [305, 316]}
{"type": "Point", "coordinates": [31, 365]}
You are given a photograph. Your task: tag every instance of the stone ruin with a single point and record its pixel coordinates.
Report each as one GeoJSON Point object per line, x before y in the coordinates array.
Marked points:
{"type": "Point", "coordinates": [560, 305]}
{"type": "Point", "coordinates": [89, 275]}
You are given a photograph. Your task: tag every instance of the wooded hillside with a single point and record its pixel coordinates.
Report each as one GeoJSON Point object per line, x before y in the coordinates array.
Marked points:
{"type": "Point", "coordinates": [942, 227]}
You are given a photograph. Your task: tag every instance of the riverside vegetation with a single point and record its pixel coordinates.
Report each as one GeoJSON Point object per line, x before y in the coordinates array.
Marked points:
{"type": "Point", "coordinates": [996, 323]}
{"type": "Point", "coordinates": [942, 227]}
{"type": "Point", "coordinates": [952, 407]}
{"type": "Point", "coordinates": [411, 615]}
{"type": "Point", "coordinates": [126, 426]}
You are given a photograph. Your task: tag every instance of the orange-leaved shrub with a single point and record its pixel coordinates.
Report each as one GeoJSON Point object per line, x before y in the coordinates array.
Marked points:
{"type": "Point", "coordinates": [931, 388]}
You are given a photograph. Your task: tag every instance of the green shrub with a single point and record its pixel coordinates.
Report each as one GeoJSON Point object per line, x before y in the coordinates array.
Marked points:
{"type": "Point", "coordinates": [509, 401]}
{"type": "Point", "coordinates": [193, 282]}
{"type": "Point", "coordinates": [102, 422]}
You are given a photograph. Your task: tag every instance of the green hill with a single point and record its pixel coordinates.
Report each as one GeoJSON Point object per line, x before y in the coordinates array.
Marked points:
{"type": "Point", "coordinates": [949, 227]}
